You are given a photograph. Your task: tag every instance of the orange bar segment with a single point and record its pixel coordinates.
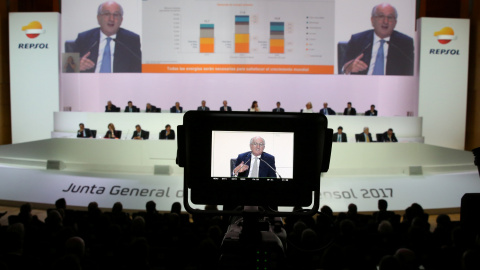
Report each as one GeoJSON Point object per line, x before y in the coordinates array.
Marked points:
{"type": "Point", "coordinates": [274, 49]}
{"type": "Point", "coordinates": [242, 47]}
{"type": "Point", "coordinates": [207, 48]}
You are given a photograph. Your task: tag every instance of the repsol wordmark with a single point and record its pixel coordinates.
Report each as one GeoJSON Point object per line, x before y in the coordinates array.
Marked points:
{"type": "Point", "coordinates": [33, 45]}
{"type": "Point", "coordinates": [444, 52]}
{"type": "Point", "coordinates": [123, 191]}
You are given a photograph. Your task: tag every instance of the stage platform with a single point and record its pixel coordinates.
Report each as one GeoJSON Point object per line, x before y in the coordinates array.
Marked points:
{"type": "Point", "coordinates": [134, 172]}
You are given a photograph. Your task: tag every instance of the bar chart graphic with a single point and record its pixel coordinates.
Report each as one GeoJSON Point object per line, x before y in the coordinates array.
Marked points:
{"type": "Point", "coordinates": [277, 37]}
{"type": "Point", "coordinates": [242, 34]}
{"type": "Point", "coordinates": [207, 41]}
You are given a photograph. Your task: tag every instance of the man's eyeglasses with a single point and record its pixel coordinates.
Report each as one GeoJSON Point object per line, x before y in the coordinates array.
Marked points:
{"type": "Point", "coordinates": [382, 17]}
{"type": "Point", "coordinates": [258, 144]}
{"type": "Point", "coordinates": [108, 14]}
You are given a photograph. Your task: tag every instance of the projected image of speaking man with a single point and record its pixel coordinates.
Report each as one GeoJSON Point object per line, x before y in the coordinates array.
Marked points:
{"type": "Point", "coordinates": [255, 163]}
{"type": "Point", "coordinates": [381, 50]}
{"type": "Point", "coordinates": [109, 48]}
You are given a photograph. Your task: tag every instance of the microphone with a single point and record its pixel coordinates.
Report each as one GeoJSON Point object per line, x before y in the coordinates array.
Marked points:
{"type": "Point", "coordinates": [261, 159]}
{"type": "Point", "coordinates": [366, 47]}
{"type": "Point", "coordinates": [401, 51]}
{"type": "Point", "coordinates": [363, 51]}
{"type": "Point", "coordinates": [91, 47]}
{"type": "Point", "coordinates": [245, 163]}
{"type": "Point", "coordinates": [128, 49]}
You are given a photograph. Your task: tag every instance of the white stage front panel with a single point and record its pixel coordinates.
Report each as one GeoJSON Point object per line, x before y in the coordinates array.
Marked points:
{"type": "Point", "coordinates": [107, 171]}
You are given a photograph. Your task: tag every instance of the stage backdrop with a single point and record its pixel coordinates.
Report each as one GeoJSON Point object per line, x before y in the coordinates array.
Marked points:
{"type": "Point", "coordinates": [200, 50]}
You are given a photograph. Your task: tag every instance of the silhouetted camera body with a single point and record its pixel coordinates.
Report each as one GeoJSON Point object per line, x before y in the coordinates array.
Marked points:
{"type": "Point", "coordinates": [255, 238]}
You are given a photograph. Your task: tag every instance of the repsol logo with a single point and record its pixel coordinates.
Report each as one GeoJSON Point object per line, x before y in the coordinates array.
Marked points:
{"type": "Point", "coordinates": [444, 51]}
{"type": "Point", "coordinates": [33, 46]}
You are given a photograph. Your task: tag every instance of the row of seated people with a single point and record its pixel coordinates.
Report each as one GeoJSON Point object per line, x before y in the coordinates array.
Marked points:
{"type": "Point", "coordinates": [349, 110]}
{"type": "Point", "coordinates": [149, 239]}
{"type": "Point", "coordinates": [110, 107]}
{"type": "Point", "coordinates": [365, 136]}
{"type": "Point", "coordinates": [139, 134]}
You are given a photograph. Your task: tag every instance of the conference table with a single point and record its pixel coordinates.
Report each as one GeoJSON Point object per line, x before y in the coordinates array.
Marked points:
{"type": "Point", "coordinates": [407, 129]}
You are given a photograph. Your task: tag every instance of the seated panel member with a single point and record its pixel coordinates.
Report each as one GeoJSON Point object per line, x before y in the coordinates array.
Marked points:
{"type": "Point", "coordinates": [255, 163]}
{"type": "Point", "coordinates": [278, 109]}
{"type": "Point", "coordinates": [225, 108]}
{"type": "Point", "coordinates": [349, 110]}
{"type": "Point", "coordinates": [110, 107]}
{"type": "Point", "coordinates": [167, 134]}
{"type": "Point", "coordinates": [109, 48]}
{"type": "Point", "coordinates": [84, 132]}
{"type": "Point", "coordinates": [372, 111]}
{"type": "Point", "coordinates": [112, 133]}
{"type": "Point", "coordinates": [389, 136]}
{"type": "Point", "coordinates": [131, 108]}
{"type": "Point", "coordinates": [203, 107]}
{"type": "Point", "coordinates": [150, 108]}
{"type": "Point", "coordinates": [381, 50]}
{"type": "Point", "coordinates": [339, 136]}
{"type": "Point", "coordinates": [254, 107]}
{"type": "Point", "coordinates": [308, 108]}
{"type": "Point", "coordinates": [176, 108]}
{"type": "Point", "coordinates": [366, 136]}
{"type": "Point", "coordinates": [326, 110]}
{"type": "Point", "coordinates": [139, 133]}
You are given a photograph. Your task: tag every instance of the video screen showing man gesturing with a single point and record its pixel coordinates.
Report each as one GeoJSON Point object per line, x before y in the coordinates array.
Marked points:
{"type": "Point", "coordinates": [255, 163]}
{"type": "Point", "coordinates": [109, 48]}
{"type": "Point", "coordinates": [272, 150]}
{"type": "Point", "coordinates": [381, 50]}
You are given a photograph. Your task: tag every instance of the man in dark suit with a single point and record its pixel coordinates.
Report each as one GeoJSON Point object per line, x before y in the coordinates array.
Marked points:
{"type": "Point", "coordinates": [131, 108]}
{"type": "Point", "coordinates": [139, 133]}
{"type": "Point", "coordinates": [255, 163]}
{"type": "Point", "coordinates": [98, 46]}
{"type": "Point", "coordinates": [167, 134]}
{"type": "Point", "coordinates": [372, 111]}
{"type": "Point", "coordinates": [203, 107]}
{"type": "Point", "coordinates": [326, 110]}
{"type": "Point", "coordinates": [366, 136]}
{"type": "Point", "coordinates": [176, 108]}
{"type": "Point", "coordinates": [365, 53]}
{"type": "Point", "coordinates": [150, 108]}
{"type": "Point", "coordinates": [225, 108]}
{"type": "Point", "coordinates": [278, 108]}
{"type": "Point", "coordinates": [389, 136]}
{"type": "Point", "coordinates": [339, 136]}
{"type": "Point", "coordinates": [349, 110]}
{"type": "Point", "coordinates": [84, 132]}
{"type": "Point", "coordinates": [111, 108]}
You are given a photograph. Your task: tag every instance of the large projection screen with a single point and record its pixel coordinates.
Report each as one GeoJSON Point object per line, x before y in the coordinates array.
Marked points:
{"type": "Point", "coordinates": [239, 51]}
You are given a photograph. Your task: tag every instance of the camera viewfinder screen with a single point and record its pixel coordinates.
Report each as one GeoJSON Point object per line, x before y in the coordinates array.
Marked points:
{"type": "Point", "coordinates": [253, 156]}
